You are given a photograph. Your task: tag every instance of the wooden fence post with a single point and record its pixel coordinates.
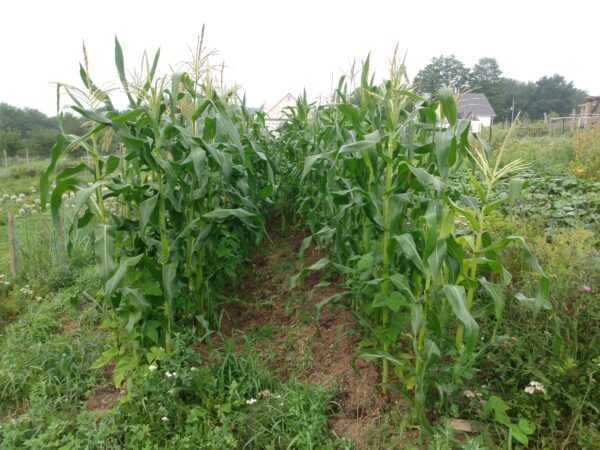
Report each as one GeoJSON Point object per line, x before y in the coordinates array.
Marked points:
{"type": "Point", "coordinates": [12, 245]}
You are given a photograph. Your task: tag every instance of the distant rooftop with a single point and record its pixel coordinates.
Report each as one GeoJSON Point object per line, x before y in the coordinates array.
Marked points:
{"type": "Point", "coordinates": [474, 105]}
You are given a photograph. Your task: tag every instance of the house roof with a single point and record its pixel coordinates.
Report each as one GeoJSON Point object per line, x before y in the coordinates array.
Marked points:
{"type": "Point", "coordinates": [474, 104]}
{"type": "Point", "coordinates": [276, 111]}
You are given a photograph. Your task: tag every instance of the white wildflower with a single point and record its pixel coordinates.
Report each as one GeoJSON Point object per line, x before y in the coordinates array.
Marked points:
{"type": "Point", "coordinates": [252, 401]}
{"type": "Point", "coordinates": [165, 419]}
{"type": "Point", "coordinates": [535, 386]}
{"type": "Point", "coordinates": [469, 394]}
{"type": "Point", "coordinates": [152, 367]}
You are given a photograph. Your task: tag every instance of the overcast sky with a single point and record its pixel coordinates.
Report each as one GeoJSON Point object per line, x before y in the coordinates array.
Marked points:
{"type": "Point", "coordinates": [275, 47]}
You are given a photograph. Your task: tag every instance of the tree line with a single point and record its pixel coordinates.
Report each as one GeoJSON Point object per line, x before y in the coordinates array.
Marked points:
{"type": "Point", "coordinates": [552, 95]}
{"type": "Point", "coordinates": [31, 129]}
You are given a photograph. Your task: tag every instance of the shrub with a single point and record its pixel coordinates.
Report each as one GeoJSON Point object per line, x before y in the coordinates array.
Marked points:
{"type": "Point", "coordinates": [586, 148]}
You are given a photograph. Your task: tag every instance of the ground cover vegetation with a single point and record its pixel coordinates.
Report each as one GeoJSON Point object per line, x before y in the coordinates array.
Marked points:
{"type": "Point", "coordinates": [370, 276]}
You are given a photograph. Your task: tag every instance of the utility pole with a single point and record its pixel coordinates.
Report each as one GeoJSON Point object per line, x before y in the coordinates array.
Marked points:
{"type": "Point", "coordinates": [512, 111]}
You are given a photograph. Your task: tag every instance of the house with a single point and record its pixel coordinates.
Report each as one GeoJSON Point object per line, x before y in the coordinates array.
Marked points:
{"type": "Point", "coordinates": [275, 116]}
{"type": "Point", "coordinates": [589, 111]}
{"type": "Point", "coordinates": [475, 107]}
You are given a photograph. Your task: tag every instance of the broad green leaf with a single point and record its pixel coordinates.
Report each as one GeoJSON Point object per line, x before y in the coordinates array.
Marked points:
{"type": "Point", "coordinates": [113, 282]}
{"type": "Point", "coordinates": [495, 204]}
{"type": "Point", "coordinates": [435, 261]}
{"type": "Point", "coordinates": [448, 105]}
{"type": "Point", "coordinates": [358, 147]}
{"type": "Point", "coordinates": [120, 63]}
{"type": "Point", "coordinates": [169, 274]}
{"type": "Point", "coordinates": [124, 367]}
{"type": "Point", "coordinates": [55, 152]}
{"type": "Point", "coordinates": [456, 296]}
{"type": "Point", "coordinates": [320, 264]}
{"type": "Point", "coordinates": [92, 115]}
{"type": "Point", "coordinates": [401, 283]}
{"type": "Point", "coordinates": [427, 180]}
{"type": "Point", "coordinates": [221, 214]}
{"type": "Point", "coordinates": [147, 207]}
{"type": "Point", "coordinates": [409, 250]}
{"type": "Point", "coordinates": [393, 300]}
{"type": "Point", "coordinates": [374, 354]}
{"type": "Point", "coordinates": [105, 250]}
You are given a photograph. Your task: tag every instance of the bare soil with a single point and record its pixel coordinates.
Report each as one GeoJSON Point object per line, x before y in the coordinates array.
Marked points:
{"type": "Point", "coordinates": [326, 343]}
{"type": "Point", "coordinates": [103, 398]}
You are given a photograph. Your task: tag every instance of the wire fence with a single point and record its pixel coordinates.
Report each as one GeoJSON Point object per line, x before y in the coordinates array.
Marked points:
{"type": "Point", "coordinates": [555, 126]}
{"type": "Point", "coordinates": [9, 161]}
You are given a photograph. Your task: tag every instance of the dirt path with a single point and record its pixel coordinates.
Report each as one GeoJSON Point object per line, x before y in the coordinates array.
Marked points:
{"type": "Point", "coordinates": [316, 350]}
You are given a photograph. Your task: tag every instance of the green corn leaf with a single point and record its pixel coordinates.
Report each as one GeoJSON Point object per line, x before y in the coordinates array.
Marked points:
{"type": "Point", "coordinates": [111, 164]}
{"type": "Point", "coordinates": [113, 282]}
{"type": "Point", "coordinates": [456, 296]}
{"type": "Point", "coordinates": [496, 291]}
{"type": "Point", "coordinates": [83, 196]}
{"type": "Point", "coordinates": [221, 214]}
{"type": "Point", "coordinates": [435, 261]}
{"type": "Point", "coordinates": [310, 162]}
{"type": "Point", "coordinates": [94, 116]}
{"type": "Point", "coordinates": [495, 204]}
{"type": "Point", "coordinates": [147, 207]}
{"type": "Point", "coordinates": [515, 185]}
{"type": "Point", "coordinates": [409, 250]}
{"type": "Point", "coordinates": [467, 213]}
{"type": "Point", "coordinates": [120, 63]}
{"type": "Point", "coordinates": [427, 180]}
{"type": "Point", "coordinates": [445, 151]}
{"type": "Point", "coordinates": [358, 147]}
{"type": "Point", "coordinates": [55, 152]}
{"type": "Point", "coordinates": [374, 354]}
{"type": "Point", "coordinates": [448, 105]}
{"type": "Point", "coordinates": [169, 274]}
{"type": "Point", "coordinates": [71, 171]}
{"type": "Point", "coordinates": [401, 283]}
{"type": "Point", "coordinates": [105, 250]}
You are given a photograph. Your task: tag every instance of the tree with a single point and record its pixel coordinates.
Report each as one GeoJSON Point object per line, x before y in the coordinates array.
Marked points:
{"type": "Point", "coordinates": [556, 94]}
{"type": "Point", "coordinates": [41, 140]}
{"type": "Point", "coordinates": [485, 72]}
{"type": "Point", "coordinates": [442, 71]}
{"type": "Point", "coordinates": [486, 77]}
{"type": "Point", "coordinates": [10, 140]}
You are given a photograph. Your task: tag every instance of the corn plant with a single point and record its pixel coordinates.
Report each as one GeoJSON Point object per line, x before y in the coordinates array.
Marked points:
{"type": "Point", "coordinates": [375, 192]}
{"type": "Point", "coordinates": [176, 213]}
